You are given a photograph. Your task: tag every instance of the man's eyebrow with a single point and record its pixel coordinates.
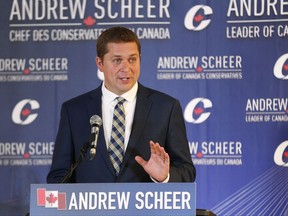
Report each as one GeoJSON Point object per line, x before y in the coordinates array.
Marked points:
{"type": "Point", "coordinates": [132, 55]}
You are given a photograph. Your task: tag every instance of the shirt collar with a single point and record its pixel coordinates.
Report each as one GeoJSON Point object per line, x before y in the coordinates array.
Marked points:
{"type": "Point", "coordinates": [129, 95]}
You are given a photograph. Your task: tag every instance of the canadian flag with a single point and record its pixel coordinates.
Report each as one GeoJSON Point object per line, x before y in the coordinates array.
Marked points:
{"type": "Point", "coordinates": [51, 199]}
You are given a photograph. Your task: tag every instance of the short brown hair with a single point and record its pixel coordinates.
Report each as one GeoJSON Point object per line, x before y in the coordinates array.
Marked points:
{"type": "Point", "coordinates": [115, 35]}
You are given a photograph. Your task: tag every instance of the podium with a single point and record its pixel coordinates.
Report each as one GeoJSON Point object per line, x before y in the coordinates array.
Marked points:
{"type": "Point", "coordinates": [129, 199]}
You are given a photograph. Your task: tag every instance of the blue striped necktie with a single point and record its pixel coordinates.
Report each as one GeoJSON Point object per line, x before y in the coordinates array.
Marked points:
{"type": "Point", "coordinates": [116, 145]}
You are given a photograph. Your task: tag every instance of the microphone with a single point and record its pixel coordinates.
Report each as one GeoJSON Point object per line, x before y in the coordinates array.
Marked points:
{"type": "Point", "coordinates": [95, 122]}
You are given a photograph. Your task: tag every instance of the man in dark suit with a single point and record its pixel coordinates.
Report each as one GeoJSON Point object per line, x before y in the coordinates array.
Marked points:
{"type": "Point", "coordinates": [155, 146]}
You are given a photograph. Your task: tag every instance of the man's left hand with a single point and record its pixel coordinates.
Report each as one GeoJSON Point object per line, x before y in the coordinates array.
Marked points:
{"type": "Point", "coordinates": [159, 163]}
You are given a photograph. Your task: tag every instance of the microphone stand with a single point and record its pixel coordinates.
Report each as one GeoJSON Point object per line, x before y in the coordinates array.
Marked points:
{"type": "Point", "coordinates": [81, 158]}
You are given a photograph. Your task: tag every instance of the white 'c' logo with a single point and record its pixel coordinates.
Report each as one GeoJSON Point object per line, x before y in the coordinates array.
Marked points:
{"type": "Point", "coordinates": [278, 67]}
{"type": "Point", "coordinates": [278, 155]}
{"type": "Point", "coordinates": [17, 112]}
{"type": "Point", "coordinates": [191, 109]}
{"type": "Point", "coordinates": [191, 14]}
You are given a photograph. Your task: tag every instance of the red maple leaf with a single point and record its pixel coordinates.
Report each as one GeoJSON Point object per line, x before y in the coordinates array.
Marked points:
{"type": "Point", "coordinates": [285, 67]}
{"type": "Point", "coordinates": [89, 21]}
{"type": "Point", "coordinates": [27, 71]}
{"type": "Point", "coordinates": [199, 69]}
{"type": "Point", "coordinates": [25, 112]}
{"type": "Point", "coordinates": [198, 111]}
{"type": "Point", "coordinates": [198, 18]}
{"type": "Point", "coordinates": [199, 155]}
{"type": "Point", "coordinates": [286, 154]}
{"type": "Point", "coordinates": [26, 155]}
{"type": "Point", "coordinates": [51, 198]}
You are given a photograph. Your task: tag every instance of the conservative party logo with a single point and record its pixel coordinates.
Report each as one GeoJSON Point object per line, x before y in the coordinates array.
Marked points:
{"type": "Point", "coordinates": [281, 154]}
{"type": "Point", "coordinates": [51, 199]}
{"type": "Point", "coordinates": [24, 112]}
{"type": "Point", "coordinates": [197, 110]}
{"type": "Point", "coordinates": [196, 19]}
{"type": "Point", "coordinates": [281, 67]}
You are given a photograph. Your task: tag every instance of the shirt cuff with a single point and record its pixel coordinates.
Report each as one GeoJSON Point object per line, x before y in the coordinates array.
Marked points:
{"type": "Point", "coordinates": [165, 181]}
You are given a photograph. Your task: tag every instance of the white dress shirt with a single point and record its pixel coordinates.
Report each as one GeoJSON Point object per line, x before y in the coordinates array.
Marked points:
{"type": "Point", "coordinates": [108, 103]}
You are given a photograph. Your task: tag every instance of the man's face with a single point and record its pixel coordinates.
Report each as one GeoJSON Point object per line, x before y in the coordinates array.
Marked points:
{"type": "Point", "coordinates": [121, 66]}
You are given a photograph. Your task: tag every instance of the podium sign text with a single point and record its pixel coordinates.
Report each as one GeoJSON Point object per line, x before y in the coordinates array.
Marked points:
{"type": "Point", "coordinates": [129, 199]}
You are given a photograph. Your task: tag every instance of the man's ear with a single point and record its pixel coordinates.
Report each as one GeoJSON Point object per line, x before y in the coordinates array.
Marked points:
{"type": "Point", "coordinates": [98, 61]}
{"type": "Point", "coordinates": [100, 66]}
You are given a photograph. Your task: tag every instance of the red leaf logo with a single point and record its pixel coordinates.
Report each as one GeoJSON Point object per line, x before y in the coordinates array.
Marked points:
{"type": "Point", "coordinates": [286, 154]}
{"type": "Point", "coordinates": [285, 67]}
{"type": "Point", "coordinates": [199, 69]}
{"type": "Point", "coordinates": [51, 198]}
{"type": "Point", "coordinates": [199, 155]}
{"type": "Point", "coordinates": [27, 71]}
{"type": "Point", "coordinates": [25, 112]}
{"type": "Point", "coordinates": [26, 155]}
{"type": "Point", "coordinates": [198, 18]}
{"type": "Point", "coordinates": [198, 111]}
{"type": "Point", "coordinates": [89, 21]}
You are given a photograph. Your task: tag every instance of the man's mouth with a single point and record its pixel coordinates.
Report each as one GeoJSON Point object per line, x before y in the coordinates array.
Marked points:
{"type": "Point", "coordinates": [124, 78]}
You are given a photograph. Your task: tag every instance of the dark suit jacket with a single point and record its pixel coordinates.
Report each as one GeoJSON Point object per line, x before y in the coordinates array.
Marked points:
{"type": "Point", "coordinates": [158, 117]}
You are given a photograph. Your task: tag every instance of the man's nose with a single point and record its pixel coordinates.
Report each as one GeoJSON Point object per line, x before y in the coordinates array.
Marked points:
{"type": "Point", "coordinates": [125, 65]}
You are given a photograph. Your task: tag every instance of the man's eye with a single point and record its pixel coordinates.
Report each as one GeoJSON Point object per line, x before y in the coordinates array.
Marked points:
{"type": "Point", "coordinates": [117, 60]}
{"type": "Point", "coordinates": [132, 60]}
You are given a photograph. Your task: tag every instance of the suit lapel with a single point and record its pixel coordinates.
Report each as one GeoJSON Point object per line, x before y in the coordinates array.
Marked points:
{"type": "Point", "coordinates": [142, 110]}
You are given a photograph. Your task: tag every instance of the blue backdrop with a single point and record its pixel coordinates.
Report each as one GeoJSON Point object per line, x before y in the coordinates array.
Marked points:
{"type": "Point", "coordinates": [226, 61]}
